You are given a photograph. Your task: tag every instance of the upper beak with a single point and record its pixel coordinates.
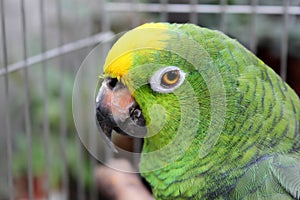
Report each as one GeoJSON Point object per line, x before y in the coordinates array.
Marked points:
{"type": "Point", "coordinates": [116, 109]}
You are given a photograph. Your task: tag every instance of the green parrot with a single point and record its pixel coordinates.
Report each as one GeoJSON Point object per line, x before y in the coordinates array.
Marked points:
{"type": "Point", "coordinates": [217, 123]}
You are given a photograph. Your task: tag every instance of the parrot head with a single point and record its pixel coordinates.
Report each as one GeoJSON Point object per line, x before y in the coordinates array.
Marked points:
{"type": "Point", "coordinates": [151, 88]}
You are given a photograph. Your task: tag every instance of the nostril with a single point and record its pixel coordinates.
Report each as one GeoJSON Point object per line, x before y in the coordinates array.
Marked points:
{"type": "Point", "coordinates": [112, 82]}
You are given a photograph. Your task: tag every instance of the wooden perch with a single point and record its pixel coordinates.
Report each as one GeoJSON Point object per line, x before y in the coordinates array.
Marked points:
{"type": "Point", "coordinates": [117, 185]}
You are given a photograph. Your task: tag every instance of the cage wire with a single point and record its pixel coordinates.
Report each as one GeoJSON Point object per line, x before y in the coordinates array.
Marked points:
{"type": "Point", "coordinates": [42, 46]}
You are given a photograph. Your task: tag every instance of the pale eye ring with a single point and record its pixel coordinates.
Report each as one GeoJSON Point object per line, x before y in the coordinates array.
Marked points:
{"type": "Point", "coordinates": [167, 79]}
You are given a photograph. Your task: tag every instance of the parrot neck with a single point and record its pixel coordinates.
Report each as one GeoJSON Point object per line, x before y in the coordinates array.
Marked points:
{"type": "Point", "coordinates": [178, 179]}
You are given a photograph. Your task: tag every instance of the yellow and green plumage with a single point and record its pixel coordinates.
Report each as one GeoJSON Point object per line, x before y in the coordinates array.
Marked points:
{"type": "Point", "coordinates": [230, 131]}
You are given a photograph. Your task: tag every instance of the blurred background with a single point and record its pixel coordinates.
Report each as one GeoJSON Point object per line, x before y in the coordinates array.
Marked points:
{"type": "Point", "coordinates": [44, 42]}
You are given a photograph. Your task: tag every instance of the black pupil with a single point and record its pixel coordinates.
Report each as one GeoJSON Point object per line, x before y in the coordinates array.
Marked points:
{"type": "Point", "coordinates": [172, 75]}
{"type": "Point", "coordinates": [169, 78]}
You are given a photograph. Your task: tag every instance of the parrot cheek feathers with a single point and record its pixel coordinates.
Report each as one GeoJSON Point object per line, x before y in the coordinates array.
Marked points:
{"type": "Point", "coordinates": [117, 110]}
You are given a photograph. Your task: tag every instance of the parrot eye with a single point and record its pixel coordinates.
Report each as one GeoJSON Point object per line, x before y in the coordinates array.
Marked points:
{"type": "Point", "coordinates": [167, 79]}
{"type": "Point", "coordinates": [170, 78]}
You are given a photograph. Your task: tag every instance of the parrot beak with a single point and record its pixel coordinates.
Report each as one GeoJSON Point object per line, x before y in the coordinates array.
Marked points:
{"type": "Point", "coordinates": [116, 109]}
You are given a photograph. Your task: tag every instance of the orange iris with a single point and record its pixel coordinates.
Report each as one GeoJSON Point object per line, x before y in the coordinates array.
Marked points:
{"type": "Point", "coordinates": [170, 78]}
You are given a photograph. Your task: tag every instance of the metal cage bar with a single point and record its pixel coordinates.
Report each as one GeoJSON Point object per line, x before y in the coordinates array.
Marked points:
{"type": "Point", "coordinates": [203, 8]}
{"type": "Point", "coordinates": [163, 10]}
{"type": "Point", "coordinates": [80, 157]}
{"type": "Point", "coordinates": [45, 98]}
{"type": "Point", "coordinates": [8, 135]}
{"type": "Point", "coordinates": [27, 103]}
{"type": "Point", "coordinates": [193, 15]}
{"type": "Point", "coordinates": [134, 15]}
{"type": "Point", "coordinates": [284, 40]}
{"type": "Point", "coordinates": [80, 186]}
{"type": "Point", "coordinates": [63, 126]}
{"type": "Point", "coordinates": [223, 4]}
{"type": "Point", "coordinates": [253, 27]}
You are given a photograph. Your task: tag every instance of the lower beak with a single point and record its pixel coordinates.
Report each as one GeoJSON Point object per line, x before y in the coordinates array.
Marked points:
{"type": "Point", "coordinates": [116, 109]}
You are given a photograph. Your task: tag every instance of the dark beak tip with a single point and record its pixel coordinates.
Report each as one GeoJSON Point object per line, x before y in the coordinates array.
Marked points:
{"type": "Point", "coordinates": [104, 127]}
{"type": "Point", "coordinates": [105, 133]}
